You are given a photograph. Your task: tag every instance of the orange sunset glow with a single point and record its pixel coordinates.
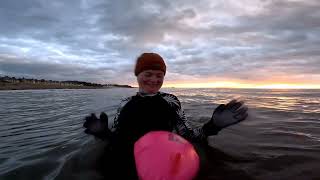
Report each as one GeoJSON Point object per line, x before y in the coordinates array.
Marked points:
{"type": "Point", "coordinates": [244, 85]}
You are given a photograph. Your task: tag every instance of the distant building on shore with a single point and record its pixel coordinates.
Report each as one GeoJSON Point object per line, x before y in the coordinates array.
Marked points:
{"type": "Point", "coordinates": [15, 81]}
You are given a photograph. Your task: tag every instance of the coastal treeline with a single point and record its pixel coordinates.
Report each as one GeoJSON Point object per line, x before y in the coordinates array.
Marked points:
{"type": "Point", "coordinates": [7, 83]}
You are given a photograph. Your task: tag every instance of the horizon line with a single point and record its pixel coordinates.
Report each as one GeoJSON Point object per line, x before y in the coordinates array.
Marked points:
{"type": "Point", "coordinates": [237, 88]}
{"type": "Point", "coordinates": [238, 85]}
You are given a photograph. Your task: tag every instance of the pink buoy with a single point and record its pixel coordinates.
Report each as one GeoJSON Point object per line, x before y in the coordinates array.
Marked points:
{"type": "Point", "coordinates": [161, 155]}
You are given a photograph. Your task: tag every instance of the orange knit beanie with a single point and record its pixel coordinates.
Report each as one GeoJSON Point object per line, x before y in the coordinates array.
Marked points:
{"type": "Point", "coordinates": [149, 61]}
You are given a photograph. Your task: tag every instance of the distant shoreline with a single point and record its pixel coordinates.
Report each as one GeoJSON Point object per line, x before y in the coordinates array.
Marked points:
{"type": "Point", "coordinates": [51, 86]}
{"type": "Point", "coordinates": [13, 83]}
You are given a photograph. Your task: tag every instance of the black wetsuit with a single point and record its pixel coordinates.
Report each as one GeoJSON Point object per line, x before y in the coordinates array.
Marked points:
{"type": "Point", "coordinates": [141, 114]}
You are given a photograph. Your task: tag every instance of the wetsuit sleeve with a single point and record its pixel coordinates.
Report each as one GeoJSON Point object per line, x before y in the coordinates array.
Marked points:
{"type": "Point", "coordinates": [115, 123]}
{"type": "Point", "coordinates": [181, 123]}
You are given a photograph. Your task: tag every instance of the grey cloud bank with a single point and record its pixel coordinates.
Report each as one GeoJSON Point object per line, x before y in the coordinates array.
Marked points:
{"type": "Point", "coordinates": [99, 40]}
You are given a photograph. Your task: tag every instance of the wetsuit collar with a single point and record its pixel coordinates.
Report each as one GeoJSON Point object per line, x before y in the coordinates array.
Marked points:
{"type": "Point", "coordinates": [144, 94]}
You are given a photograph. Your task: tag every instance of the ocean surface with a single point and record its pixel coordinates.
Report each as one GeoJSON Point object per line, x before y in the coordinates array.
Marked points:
{"type": "Point", "coordinates": [41, 133]}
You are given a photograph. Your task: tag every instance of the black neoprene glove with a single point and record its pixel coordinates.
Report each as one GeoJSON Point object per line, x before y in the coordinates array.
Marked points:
{"type": "Point", "coordinates": [224, 116]}
{"type": "Point", "coordinates": [97, 127]}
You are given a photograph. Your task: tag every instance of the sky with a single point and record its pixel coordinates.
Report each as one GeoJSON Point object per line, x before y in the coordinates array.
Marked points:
{"type": "Point", "coordinates": [205, 43]}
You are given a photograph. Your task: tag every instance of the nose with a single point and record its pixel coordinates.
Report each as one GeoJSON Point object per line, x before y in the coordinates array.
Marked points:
{"type": "Point", "coordinates": [154, 80]}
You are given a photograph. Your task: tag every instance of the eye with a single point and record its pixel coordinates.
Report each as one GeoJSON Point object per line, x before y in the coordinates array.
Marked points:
{"type": "Point", "coordinates": [159, 76]}
{"type": "Point", "coordinates": [147, 74]}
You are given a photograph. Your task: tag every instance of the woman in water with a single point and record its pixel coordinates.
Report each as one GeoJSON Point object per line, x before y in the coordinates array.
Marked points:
{"type": "Point", "coordinates": [152, 110]}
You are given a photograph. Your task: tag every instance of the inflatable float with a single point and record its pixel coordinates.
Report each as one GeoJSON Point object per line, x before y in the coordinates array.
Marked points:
{"type": "Point", "coordinates": [162, 155]}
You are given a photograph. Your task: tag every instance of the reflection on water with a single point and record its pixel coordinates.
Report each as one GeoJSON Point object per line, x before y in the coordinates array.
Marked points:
{"type": "Point", "coordinates": [285, 100]}
{"type": "Point", "coordinates": [41, 132]}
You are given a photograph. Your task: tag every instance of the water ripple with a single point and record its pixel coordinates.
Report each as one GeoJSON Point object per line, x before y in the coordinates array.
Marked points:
{"type": "Point", "coordinates": [42, 129]}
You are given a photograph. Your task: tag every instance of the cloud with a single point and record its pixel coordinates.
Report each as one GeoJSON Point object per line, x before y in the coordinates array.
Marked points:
{"type": "Point", "coordinates": [15, 66]}
{"type": "Point", "coordinates": [96, 40]}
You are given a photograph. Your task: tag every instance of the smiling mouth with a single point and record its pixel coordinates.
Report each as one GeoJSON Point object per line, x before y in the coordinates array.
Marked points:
{"type": "Point", "coordinates": [153, 85]}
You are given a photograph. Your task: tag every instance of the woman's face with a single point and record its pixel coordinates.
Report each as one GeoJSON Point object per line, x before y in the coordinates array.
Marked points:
{"type": "Point", "coordinates": [150, 81]}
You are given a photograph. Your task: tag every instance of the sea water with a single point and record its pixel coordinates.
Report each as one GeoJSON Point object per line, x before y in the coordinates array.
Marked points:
{"type": "Point", "coordinates": [41, 133]}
